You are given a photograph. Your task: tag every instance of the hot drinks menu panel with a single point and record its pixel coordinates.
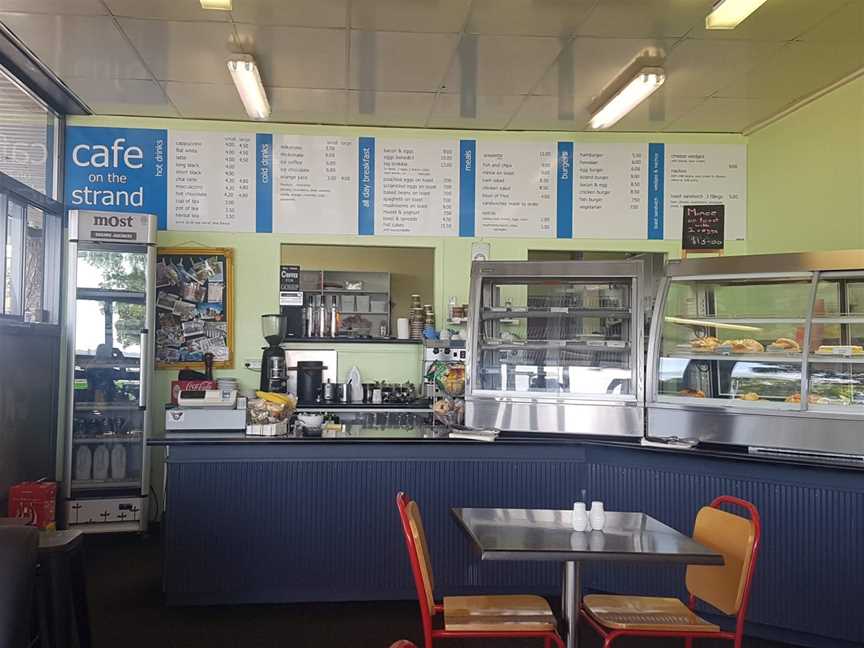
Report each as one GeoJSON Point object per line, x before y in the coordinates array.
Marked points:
{"type": "Point", "coordinates": [403, 186]}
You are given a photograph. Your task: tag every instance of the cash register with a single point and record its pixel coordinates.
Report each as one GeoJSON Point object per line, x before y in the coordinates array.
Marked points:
{"type": "Point", "coordinates": [207, 410]}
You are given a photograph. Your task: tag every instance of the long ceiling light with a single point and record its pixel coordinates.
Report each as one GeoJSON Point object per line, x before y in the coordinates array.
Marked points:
{"type": "Point", "coordinates": [244, 73]}
{"type": "Point", "coordinates": [728, 14]}
{"type": "Point", "coordinates": [638, 89]}
{"type": "Point", "coordinates": [218, 5]}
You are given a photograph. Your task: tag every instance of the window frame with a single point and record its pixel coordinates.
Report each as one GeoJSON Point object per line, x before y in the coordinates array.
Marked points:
{"type": "Point", "coordinates": [13, 191]}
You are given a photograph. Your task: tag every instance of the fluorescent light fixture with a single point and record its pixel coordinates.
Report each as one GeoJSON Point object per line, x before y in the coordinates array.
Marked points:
{"type": "Point", "coordinates": [244, 73]}
{"type": "Point", "coordinates": [728, 14]}
{"type": "Point", "coordinates": [218, 5]}
{"type": "Point", "coordinates": [637, 90]}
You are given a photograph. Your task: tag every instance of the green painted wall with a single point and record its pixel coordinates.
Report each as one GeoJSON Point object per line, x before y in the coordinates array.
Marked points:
{"type": "Point", "coordinates": [806, 177]}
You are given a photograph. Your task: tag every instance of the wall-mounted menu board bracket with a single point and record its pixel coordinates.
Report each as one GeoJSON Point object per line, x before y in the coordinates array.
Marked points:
{"type": "Point", "coordinates": [194, 307]}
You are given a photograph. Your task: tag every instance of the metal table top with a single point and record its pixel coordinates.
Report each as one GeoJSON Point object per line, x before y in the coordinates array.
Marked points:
{"type": "Point", "coordinates": [548, 535]}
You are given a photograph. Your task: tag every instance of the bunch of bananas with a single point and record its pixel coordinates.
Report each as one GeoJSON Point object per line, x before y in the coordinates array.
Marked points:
{"type": "Point", "coordinates": [289, 400]}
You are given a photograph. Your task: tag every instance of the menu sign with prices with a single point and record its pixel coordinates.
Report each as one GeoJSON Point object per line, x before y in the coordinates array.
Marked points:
{"type": "Point", "coordinates": [609, 190]}
{"type": "Point", "coordinates": [416, 187]}
{"type": "Point", "coordinates": [707, 175]}
{"type": "Point", "coordinates": [315, 186]}
{"type": "Point", "coordinates": [516, 189]}
{"type": "Point", "coordinates": [211, 181]}
{"type": "Point", "coordinates": [702, 228]}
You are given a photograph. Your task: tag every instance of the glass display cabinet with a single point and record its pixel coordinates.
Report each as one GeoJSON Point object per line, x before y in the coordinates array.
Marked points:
{"type": "Point", "coordinates": [556, 346]}
{"type": "Point", "coordinates": [764, 351]}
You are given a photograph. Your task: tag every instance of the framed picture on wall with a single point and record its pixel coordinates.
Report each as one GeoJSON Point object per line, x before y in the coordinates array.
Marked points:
{"type": "Point", "coordinates": [194, 307]}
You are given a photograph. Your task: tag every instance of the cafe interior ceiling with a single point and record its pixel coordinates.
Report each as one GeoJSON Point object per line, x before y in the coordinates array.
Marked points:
{"type": "Point", "coordinates": [479, 64]}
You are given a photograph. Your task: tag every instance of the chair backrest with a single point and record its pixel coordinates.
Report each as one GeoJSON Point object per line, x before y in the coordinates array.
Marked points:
{"type": "Point", "coordinates": [18, 547]}
{"type": "Point", "coordinates": [726, 587]}
{"type": "Point", "coordinates": [418, 550]}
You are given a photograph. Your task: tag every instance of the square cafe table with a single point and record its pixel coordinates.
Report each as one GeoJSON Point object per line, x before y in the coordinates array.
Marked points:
{"type": "Point", "coordinates": [547, 535]}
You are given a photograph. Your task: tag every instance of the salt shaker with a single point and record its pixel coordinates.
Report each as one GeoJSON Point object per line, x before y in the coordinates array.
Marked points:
{"type": "Point", "coordinates": [580, 516]}
{"type": "Point", "coordinates": [597, 516]}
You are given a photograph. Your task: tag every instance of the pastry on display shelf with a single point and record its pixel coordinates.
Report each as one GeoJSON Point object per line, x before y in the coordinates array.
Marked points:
{"type": "Point", "coordinates": [708, 343]}
{"type": "Point", "coordinates": [747, 345]}
{"type": "Point", "coordinates": [693, 393]}
{"type": "Point", "coordinates": [749, 396]}
{"type": "Point", "coordinates": [784, 344]}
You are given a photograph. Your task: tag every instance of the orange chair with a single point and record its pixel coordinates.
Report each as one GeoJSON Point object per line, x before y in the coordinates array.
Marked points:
{"type": "Point", "coordinates": [501, 617]}
{"type": "Point", "coordinates": [725, 587]}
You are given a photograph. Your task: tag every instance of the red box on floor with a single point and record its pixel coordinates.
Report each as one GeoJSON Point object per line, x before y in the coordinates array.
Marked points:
{"type": "Point", "coordinates": [34, 502]}
{"type": "Point", "coordinates": [195, 385]}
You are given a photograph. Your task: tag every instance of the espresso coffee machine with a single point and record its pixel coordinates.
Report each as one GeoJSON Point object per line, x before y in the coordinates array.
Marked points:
{"type": "Point", "coordinates": [273, 367]}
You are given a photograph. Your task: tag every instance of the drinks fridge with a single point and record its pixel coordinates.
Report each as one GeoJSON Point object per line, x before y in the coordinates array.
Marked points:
{"type": "Point", "coordinates": [109, 317]}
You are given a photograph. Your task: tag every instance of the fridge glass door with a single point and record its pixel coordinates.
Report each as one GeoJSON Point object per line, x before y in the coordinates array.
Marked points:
{"type": "Point", "coordinates": [556, 336]}
{"type": "Point", "coordinates": [108, 425]}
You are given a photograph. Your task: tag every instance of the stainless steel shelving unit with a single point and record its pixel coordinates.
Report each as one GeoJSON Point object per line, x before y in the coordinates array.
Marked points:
{"type": "Point", "coordinates": [556, 347]}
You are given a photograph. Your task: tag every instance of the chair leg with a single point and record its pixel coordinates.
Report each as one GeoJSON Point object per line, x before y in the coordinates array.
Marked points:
{"type": "Point", "coordinates": [547, 642]}
{"type": "Point", "coordinates": [607, 642]}
{"type": "Point", "coordinates": [688, 642]}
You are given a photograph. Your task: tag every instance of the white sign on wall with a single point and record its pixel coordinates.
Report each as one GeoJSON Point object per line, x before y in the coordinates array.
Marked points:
{"type": "Point", "coordinates": [211, 181]}
{"type": "Point", "coordinates": [315, 185]}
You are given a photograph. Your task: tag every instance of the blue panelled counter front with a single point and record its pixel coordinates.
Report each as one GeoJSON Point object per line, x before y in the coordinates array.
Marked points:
{"type": "Point", "coordinates": [267, 521]}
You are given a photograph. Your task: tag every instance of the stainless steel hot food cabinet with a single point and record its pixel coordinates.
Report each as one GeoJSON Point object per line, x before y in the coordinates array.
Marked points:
{"type": "Point", "coordinates": [763, 351]}
{"type": "Point", "coordinates": [556, 347]}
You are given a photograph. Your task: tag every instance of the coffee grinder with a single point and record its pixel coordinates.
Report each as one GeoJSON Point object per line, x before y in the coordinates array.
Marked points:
{"type": "Point", "coordinates": [273, 368]}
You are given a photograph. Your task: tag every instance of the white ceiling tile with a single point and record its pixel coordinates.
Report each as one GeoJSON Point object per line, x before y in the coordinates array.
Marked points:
{"type": "Point", "coordinates": [845, 25]}
{"type": "Point", "coordinates": [773, 21]}
{"type": "Point", "coordinates": [123, 97]}
{"type": "Point", "coordinates": [409, 15]}
{"type": "Point", "coordinates": [165, 10]}
{"type": "Point", "coordinates": [390, 61]}
{"type": "Point", "coordinates": [656, 112]}
{"type": "Point", "coordinates": [456, 111]}
{"type": "Point", "coordinates": [723, 115]}
{"type": "Point", "coordinates": [183, 51]}
{"type": "Point", "coordinates": [307, 106]}
{"type": "Point", "coordinates": [698, 68]}
{"type": "Point", "coordinates": [798, 70]}
{"type": "Point", "coordinates": [283, 55]}
{"type": "Point", "coordinates": [645, 18]}
{"type": "Point", "coordinates": [500, 65]}
{"type": "Point", "coordinates": [528, 17]}
{"type": "Point", "coordinates": [301, 13]}
{"type": "Point", "coordinates": [588, 64]}
{"type": "Point", "coordinates": [552, 113]}
{"type": "Point", "coordinates": [77, 46]}
{"type": "Point", "coordinates": [68, 7]}
{"type": "Point", "coordinates": [389, 108]}
{"type": "Point", "coordinates": [206, 100]}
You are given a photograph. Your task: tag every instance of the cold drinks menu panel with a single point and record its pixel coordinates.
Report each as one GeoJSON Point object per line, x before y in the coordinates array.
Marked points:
{"type": "Point", "coordinates": [326, 184]}
{"type": "Point", "coordinates": [315, 185]}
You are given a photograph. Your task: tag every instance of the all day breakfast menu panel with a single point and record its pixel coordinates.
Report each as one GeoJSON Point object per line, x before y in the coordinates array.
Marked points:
{"type": "Point", "coordinates": [609, 190]}
{"type": "Point", "coordinates": [515, 189]}
{"type": "Point", "coordinates": [211, 181]}
{"type": "Point", "coordinates": [416, 184]}
{"type": "Point", "coordinates": [707, 174]}
{"type": "Point", "coordinates": [315, 185]}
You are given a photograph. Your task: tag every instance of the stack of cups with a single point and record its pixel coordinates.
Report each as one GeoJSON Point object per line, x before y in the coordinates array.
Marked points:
{"type": "Point", "coordinates": [417, 318]}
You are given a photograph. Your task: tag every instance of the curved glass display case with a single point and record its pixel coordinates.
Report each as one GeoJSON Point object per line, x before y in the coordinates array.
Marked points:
{"type": "Point", "coordinates": [556, 347]}
{"type": "Point", "coordinates": [764, 351]}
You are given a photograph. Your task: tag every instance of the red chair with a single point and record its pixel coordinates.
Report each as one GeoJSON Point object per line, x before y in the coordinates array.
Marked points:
{"type": "Point", "coordinates": [486, 617]}
{"type": "Point", "coordinates": [726, 587]}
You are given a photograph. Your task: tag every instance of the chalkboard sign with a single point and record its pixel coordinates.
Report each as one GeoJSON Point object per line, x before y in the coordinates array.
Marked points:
{"type": "Point", "coordinates": [702, 228]}
{"type": "Point", "coordinates": [194, 307]}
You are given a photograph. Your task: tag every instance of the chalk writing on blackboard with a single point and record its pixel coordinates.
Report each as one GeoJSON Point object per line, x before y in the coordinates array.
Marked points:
{"type": "Point", "coordinates": [703, 227]}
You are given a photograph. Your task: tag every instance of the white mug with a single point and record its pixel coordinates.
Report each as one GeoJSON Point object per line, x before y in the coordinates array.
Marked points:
{"type": "Point", "coordinates": [597, 516]}
{"type": "Point", "coordinates": [580, 517]}
{"type": "Point", "coordinates": [403, 328]}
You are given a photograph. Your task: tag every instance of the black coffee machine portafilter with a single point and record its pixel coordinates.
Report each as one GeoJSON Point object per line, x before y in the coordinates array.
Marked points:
{"type": "Point", "coordinates": [273, 367]}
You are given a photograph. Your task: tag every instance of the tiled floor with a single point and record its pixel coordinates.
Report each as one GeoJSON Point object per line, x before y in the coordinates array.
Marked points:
{"type": "Point", "coordinates": [127, 612]}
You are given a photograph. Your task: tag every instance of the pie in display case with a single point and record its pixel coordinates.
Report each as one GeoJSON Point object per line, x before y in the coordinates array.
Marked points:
{"type": "Point", "coordinates": [764, 351]}
{"type": "Point", "coordinates": [556, 346]}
